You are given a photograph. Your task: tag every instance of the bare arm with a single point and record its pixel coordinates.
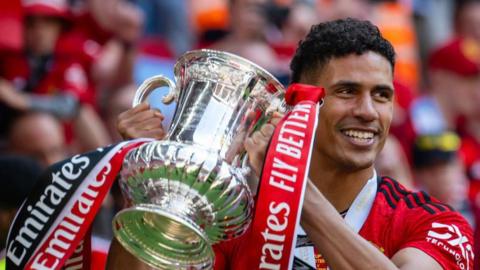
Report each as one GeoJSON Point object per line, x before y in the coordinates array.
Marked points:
{"type": "Point", "coordinates": [89, 129]}
{"type": "Point", "coordinates": [337, 242]}
{"type": "Point", "coordinates": [114, 67]}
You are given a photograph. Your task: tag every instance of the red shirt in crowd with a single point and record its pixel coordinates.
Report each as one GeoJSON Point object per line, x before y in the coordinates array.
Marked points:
{"type": "Point", "coordinates": [398, 219]}
{"type": "Point", "coordinates": [58, 73]}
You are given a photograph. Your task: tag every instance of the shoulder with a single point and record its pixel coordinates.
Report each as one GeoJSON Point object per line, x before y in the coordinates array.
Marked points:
{"type": "Point", "coordinates": [399, 198]}
{"type": "Point", "coordinates": [422, 222]}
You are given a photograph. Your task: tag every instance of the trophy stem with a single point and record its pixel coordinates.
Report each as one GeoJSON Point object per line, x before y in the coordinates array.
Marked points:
{"type": "Point", "coordinates": [162, 239]}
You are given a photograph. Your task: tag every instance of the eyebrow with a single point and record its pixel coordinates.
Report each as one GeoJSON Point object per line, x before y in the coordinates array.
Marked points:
{"type": "Point", "coordinates": [355, 84]}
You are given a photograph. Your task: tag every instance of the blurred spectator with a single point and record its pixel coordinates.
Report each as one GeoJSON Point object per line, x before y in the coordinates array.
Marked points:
{"type": "Point", "coordinates": [467, 19]}
{"type": "Point", "coordinates": [446, 101]}
{"type": "Point", "coordinates": [104, 35]}
{"type": "Point", "coordinates": [11, 25]}
{"type": "Point", "coordinates": [247, 33]}
{"type": "Point", "coordinates": [434, 22]}
{"type": "Point", "coordinates": [300, 19]}
{"type": "Point", "coordinates": [462, 56]}
{"type": "Point", "coordinates": [454, 74]}
{"type": "Point", "coordinates": [168, 20]}
{"type": "Point", "coordinates": [39, 136]}
{"type": "Point", "coordinates": [293, 23]}
{"type": "Point", "coordinates": [210, 19]}
{"type": "Point", "coordinates": [395, 21]}
{"type": "Point", "coordinates": [439, 171]}
{"type": "Point", "coordinates": [434, 26]}
{"type": "Point", "coordinates": [330, 10]}
{"type": "Point", "coordinates": [18, 176]}
{"type": "Point", "coordinates": [42, 77]}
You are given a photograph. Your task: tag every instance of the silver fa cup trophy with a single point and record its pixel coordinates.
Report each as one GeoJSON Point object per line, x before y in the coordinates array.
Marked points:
{"type": "Point", "coordinates": [191, 190]}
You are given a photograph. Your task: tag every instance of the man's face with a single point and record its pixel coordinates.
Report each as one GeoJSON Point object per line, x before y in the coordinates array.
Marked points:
{"type": "Point", "coordinates": [469, 22]}
{"type": "Point", "coordinates": [446, 182]}
{"type": "Point", "coordinates": [39, 136]}
{"type": "Point", "coordinates": [248, 18]}
{"type": "Point", "coordinates": [357, 110]}
{"type": "Point", "coordinates": [41, 34]}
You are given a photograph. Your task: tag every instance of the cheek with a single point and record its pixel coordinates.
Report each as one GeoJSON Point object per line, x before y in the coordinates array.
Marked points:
{"type": "Point", "coordinates": [386, 116]}
{"type": "Point", "coordinates": [323, 132]}
{"type": "Point", "coordinates": [326, 121]}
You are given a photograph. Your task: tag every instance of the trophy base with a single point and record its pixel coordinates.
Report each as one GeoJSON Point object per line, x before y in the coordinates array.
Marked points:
{"type": "Point", "coordinates": [162, 239]}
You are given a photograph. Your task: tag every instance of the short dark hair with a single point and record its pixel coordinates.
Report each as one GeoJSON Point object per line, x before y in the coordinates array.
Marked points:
{"type": "Point", "coordinates": [335, 39]}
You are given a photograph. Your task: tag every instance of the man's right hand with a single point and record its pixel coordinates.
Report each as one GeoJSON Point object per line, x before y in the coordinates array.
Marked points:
{"type": "Point", "coordinates": [256, 145]}
{"type": "Point", "coordinates": [141, 122]}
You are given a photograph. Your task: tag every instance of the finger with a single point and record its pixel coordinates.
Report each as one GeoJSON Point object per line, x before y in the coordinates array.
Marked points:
{"type": "Point", "coordinates": [159, 114]}
{"type": "Point", "coordinates": [131, 127]}
{"type": "Point", "coordinates": [151, 123]}
{"type": "Point", "coordinates": [157, 133]}
{"type": "Point", "coordinates": [139, 108]}
{"type": "Point", "coordinates": [142, 116]}
{"type": "Point", "coordinates": [126, 121]}
{"type": "Point", "coordinates": [259, 139]}
{"type": "Point", "coordinates": [124, 116]}
{"type": "Point", "coordinates": [276, 117]}
{"type": "Point", "coordinates": [267, 130]}
{"type": "Point", "coordinates": [249, 145]}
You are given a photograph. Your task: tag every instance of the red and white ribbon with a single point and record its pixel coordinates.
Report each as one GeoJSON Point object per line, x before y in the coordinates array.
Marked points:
{"type": "Point", "coordinates": [283, 181]}
{"type": "Point", "coordinates": [52, 227]}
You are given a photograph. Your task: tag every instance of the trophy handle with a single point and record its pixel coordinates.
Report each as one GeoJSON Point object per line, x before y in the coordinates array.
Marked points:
{"type": "Point", "coordinates": [151, 84]}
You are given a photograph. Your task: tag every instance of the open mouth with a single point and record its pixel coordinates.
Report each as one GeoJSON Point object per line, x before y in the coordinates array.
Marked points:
{"type": "Point", "coordinates": [359, 136]}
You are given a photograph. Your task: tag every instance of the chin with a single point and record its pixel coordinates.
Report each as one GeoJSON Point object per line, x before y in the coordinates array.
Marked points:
{"type": "Point", "coordinates": [357, 164]}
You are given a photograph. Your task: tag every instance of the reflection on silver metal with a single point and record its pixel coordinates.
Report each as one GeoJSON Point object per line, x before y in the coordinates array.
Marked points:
{"type": "Point", "coordinates": [190, 191]}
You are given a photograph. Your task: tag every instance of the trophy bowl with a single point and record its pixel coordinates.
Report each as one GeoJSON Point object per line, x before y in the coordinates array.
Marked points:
{"type": "Point", "coordinates": [191, 190]}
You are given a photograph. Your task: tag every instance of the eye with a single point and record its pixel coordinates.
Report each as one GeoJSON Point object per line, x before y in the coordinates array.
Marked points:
{"type": "Point", "coordinates": [383, 95]}
{"type": "Point", "coordinates": [345, 91]}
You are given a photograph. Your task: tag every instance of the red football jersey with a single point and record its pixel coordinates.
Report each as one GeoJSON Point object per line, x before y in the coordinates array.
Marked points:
{"type": "Point", "coordinates": [398, 219]}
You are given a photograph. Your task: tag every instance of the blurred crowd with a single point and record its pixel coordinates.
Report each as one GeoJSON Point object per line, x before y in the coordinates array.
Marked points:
{"type": "Point", "coordinates": [69, 67]}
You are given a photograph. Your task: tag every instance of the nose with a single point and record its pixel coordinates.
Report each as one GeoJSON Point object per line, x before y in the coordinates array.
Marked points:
{"type": "Point", "coordinates": [365, 108]}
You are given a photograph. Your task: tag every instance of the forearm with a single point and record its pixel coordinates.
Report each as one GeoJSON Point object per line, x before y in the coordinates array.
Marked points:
{"type": "Point", "coordinates": [126, 63]}
{"type": "Point", "coordinates": [90, 130]}
{"type": "Point", "coordinates": [340, 246]}
{"type": "Point", "coordinates": [114, 67]}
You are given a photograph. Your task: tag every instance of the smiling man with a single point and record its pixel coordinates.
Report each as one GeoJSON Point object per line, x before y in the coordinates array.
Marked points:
{"type": "Point", "coordinates": [351, 218]}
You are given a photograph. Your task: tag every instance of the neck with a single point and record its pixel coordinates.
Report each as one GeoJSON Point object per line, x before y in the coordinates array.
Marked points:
{"type": "Point", "coordinates": [338, 185]}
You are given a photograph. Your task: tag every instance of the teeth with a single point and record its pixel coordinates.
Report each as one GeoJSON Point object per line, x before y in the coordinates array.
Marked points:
{"type": "Point", "coordinates": [359, 134]}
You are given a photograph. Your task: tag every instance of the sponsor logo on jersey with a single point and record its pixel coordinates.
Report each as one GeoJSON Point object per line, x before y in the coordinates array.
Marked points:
{"type": "Point", "coordinates": [451, 240]}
